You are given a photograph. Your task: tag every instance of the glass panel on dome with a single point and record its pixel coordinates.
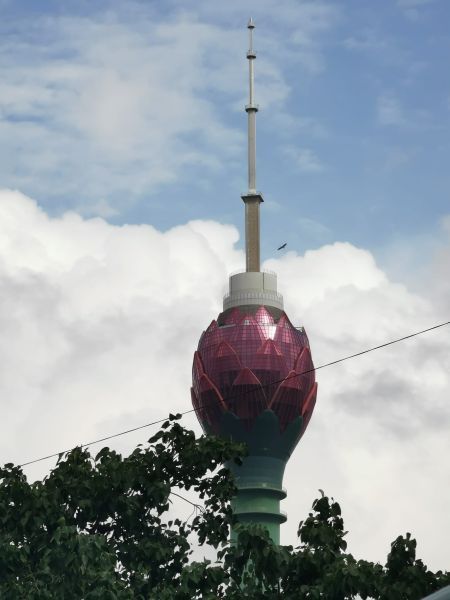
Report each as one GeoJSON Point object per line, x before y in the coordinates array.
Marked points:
{"type": "Point", "coordinates": [247, 399]}
{"type": "Point", "coordinates": [233, 317]}
{"type": "Point", "coordinates": [308, 408]}
{"type": "Point", "coordinates": [263, 316]}
{"type": "Point", "coordinates": [226, 366]}
{"type": "Point", "coordinates": [211, 403]}
{"type": "Point", "coordinates": [286, 403]}
{"type": "Point", "coordinates": [269, 366]}
{"type": "Point", "coordinates": [246, 338]}
{"type": "Point", "coordinates": [305, 367]}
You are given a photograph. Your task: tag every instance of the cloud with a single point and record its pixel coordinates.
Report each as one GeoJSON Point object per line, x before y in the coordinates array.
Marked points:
{"type": "Point", "coordinates": [381, 413]}
{"type": "Point", "coordinates": [102, 208]}
{"type": "Point", "coordinates": [305, 25]}
{"type": "Point", "coordinates": [368, 40]}
{"type": "Point", "coordinates": [316, 18]}
{"type": "Point", "coordinates": [314, 229]}
{"type": "Point", "coordinates": [412, 8]}
{"type": "Point", "coordinates": [89, 103]}
{"type": "Point", "coordinates": [413, 3]}
{"type": "Point", "coordinates": [91, 302]}
{"type": "Point", "coordinates": [288, 125]}
{"type": "Point", "coordinates": [99, 324]}
{"type": "Point", "coordinates": [380, 46]}
{"type": "Point", "coordinates": [385, 50]}
{"type": "Point", "coordinates": [305, 159]}
{"type": "Point", "coordinates": [398, 157]}
{"type": "Point", "coordinates": [272, 206]}
{"type": "Point", "coordinates": [102, 99]}
{"type": "Point", "coordinates": [390, 110]}
{"type": "Point", "coordinates": [111, 105]}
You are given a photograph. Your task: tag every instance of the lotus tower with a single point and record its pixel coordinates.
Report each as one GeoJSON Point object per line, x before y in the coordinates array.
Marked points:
{"type": "Point", "coordinates": [253, 378]}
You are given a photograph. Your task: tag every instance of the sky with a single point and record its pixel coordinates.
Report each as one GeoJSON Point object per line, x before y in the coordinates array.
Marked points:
{"type": "Point", "coordinates": [122, 161]}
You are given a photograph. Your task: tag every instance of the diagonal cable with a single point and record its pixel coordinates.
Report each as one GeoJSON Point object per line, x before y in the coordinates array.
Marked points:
{"type": "Point", "coordinates": [328, 364]}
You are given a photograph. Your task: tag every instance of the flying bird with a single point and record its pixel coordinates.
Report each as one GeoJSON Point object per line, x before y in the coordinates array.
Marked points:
{"type": "Point", "coordinates": [282, 246]}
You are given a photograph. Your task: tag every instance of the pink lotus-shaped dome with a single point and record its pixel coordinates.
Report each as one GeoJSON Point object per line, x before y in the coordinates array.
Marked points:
{"type": "Point", "coordinates": [250, 362]}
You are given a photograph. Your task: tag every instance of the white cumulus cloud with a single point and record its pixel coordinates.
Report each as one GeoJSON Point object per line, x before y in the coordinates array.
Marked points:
{"type": "Point", "coordinates": [110, 105]}
{"type": "Point", "coordinates": [99, 324]}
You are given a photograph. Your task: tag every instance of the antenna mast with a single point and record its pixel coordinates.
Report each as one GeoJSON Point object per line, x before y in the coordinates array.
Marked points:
{"type": "Point", "coordinates": [252, 198]}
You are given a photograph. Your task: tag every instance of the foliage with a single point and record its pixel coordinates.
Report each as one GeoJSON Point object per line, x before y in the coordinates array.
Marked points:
{"type": "Point", "coordinates": [101, 528]}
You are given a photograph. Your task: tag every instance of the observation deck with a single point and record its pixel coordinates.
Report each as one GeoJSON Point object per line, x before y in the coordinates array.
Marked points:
{"type": "Point", "coordinates": [253, 288]}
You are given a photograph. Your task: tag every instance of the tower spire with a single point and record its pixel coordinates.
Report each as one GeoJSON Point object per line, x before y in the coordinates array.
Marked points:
{"type": "Point", "coordinates": [252, 198]}
{"type": "Point", "coordinates": [251, 109]}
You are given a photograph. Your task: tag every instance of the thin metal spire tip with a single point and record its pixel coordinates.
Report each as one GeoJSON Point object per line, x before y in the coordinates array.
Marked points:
{"type": "Point", "coordinates": [252, 198]}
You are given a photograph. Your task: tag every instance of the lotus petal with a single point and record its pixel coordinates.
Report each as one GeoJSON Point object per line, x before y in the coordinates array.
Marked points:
{"type": "Point", "coordinates": [208, 347]}
{"type": "Point", "coordinates": [304, 366]}
{"type": "Point", "coordinates": [213, 325]}
{"type": "Point", "coordinates": [269, 349]}
{"type": "Point", "coordinates": [198, 363]}
{"type": "Point", "coordinates": [263, 316]}
{"type": "Point", "coordinates": [197, 407]}
{"type": "Point", "coordinates": [287, 400]}
{"type": "Point", "coordinates": [211, 402]}
{"type": "Point", "coordinates": [246, 338]}
{"type": "Point", "coordinates": [308, 407]}
{"type": "Point", "coordinates": [233, 317]}
{"type": "Point", "coordinates": [286, 339]}
{"type": "Point", "coordinates": [198, 370]}
{"type": "Point", "coordinates": [247, 398]}
{"type": "Point", "coordinates": [269, 366]}
{"type": "Point", "coordinates": [226, 352]}
{"type": "Point", "coordinates": [226, 366]}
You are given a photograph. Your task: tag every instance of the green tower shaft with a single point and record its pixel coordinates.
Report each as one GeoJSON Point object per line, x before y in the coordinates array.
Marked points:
{"type": "Point", "coordinates": [260, 477]}
{"type": "Point", "coordinates": [259, 480]}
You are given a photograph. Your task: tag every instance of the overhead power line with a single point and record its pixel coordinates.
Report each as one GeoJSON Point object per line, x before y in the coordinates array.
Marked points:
{"type": "Point", "coordinates": [158, 421]}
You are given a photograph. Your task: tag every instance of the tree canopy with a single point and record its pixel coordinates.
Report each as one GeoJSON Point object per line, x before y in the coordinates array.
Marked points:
{"type": "Point", "coordinates": [100, 527]}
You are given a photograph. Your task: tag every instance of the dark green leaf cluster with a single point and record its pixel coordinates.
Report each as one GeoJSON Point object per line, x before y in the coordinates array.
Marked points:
{"type": "Point", "coordinates": [101, 528]}
{"type": "Point", "coordinates": [320, 568]}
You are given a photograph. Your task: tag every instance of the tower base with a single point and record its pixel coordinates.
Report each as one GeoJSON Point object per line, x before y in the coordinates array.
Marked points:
{"type": "Point", "coordinates": [259, 481]}
{"type": "Point", "coordinates": [259, 478]}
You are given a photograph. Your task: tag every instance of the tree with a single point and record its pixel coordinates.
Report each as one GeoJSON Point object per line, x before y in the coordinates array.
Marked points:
{"type": "Point", "coordinates": [100, 527]}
